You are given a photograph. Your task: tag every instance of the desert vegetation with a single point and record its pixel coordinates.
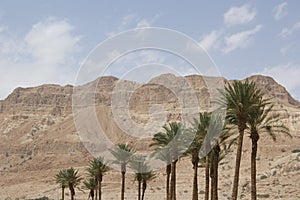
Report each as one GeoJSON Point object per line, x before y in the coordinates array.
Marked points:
{"type": "Point", "coordinates": [248, 111]}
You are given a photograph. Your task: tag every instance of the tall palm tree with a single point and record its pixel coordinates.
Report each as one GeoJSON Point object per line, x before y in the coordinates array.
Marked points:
{"type": "Point", "coordinates": [60, 179]}
{"type": "Point", "coordinates": [97, 168]}
{"type": "Point", "coordinates": [71, 178]}
{"type": "Point", "coordinates": [165, 156]}
{"type": "Point", "coordinates": [239, 99]}
{"type": "Point", "coordinates": [170, 138]}
{"type": "Point", "coordinates": [262, 120]}
{"type": "Point", "coordinates": [90, 184]}
{"type": "Point", "coordinates": [199, 131]}
{"type": "Point", "coordinates": [123, 154]}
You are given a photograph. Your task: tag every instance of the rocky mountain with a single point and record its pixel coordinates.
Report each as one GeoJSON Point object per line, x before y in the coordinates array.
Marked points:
{"type": "Point", "coordinates": [38, 134]}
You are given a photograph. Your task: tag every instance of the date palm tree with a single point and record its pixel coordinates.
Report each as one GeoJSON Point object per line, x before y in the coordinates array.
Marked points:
{"type": "Point", "coordinates": [97, 168]}
{"type": "Point", "coordinates": [239, 99]}
{"type": "Point", "coordinates": [198, 131]}
{"type": "Point", "coordinates": [146, 177]}
{"type": "Point", "coordinates": [90, 184]}
{"type": "Point", "coordinates": [170, 138]}
{"type": "Point", "coordinates": [123, 154]}
{"type": "Point", "coordinates": [70, 178]}
{"type": "Point", "coordinates": [262, 121]}
{"type": "Point", "coordinates": [60, 179]}
{"type": "Point", "coordinates": [165, 156]}
{"type": "Point", "coordinates": [137, 164]}
{"type": "Point", "coordinates": [143, 174]}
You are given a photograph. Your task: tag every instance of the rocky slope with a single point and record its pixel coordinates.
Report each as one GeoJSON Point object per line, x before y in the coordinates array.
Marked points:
{"type": "Point", "coordinates": [38, 137]}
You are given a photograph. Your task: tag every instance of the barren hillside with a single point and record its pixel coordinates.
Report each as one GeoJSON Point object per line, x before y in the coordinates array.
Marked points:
{"type": "Point", "coordinates": [38, 137]}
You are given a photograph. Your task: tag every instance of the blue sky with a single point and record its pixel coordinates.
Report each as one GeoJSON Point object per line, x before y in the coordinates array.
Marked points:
{"type": "Point", "coordinates": [46, 41]}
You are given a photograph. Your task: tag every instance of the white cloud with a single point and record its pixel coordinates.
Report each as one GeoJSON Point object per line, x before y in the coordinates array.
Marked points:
{"type": "Point", "coordinates": [51, 41]}
{"type": "Point", "coordinates": [240, 40]}
{"type": "Point", "coordinates": [287, 75]}
{"type": "Point", "coordinates": [132, 21]}
{"type": "Point", "coordinates": [284, 50]}
{"type": "Point", "coordinates": [289, 31]}
{"type": "Point", "coordinates": [280, 11]}
{"type": "Point", "coordinates": [210, 40]}
{"type": "Point", "coordinates": [46, 54]}
{"type": "Point", "coordinates": [143, 23]}
{"type": "Point", "coordinates": [239, 15]}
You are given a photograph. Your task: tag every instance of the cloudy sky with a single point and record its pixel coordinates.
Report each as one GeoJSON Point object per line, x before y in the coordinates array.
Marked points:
{"type": "Point", "coordinates": [46, 41]}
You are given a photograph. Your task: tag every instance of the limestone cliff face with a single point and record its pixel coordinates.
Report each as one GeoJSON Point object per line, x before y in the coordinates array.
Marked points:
{"type": "Point", "coordinates": [57, 100]}
{"type": "Point", "coordinates": [271, 87]}
{"type": "Point", "coordinates": [52, 99]}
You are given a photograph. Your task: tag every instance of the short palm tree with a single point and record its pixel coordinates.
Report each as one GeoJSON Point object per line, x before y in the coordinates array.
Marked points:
{"type": "Point", "coordinates": [123, 154]}
{"type": "Point", "coordinates": [143, 174]}
{"type": "Point", "coordinates": [97, 168]}
{"type": "Point", "coordinates": [262, 120]}
{"type": "Point", "coordinates": [90, 184]}
{"type": "Point", "coordinates": [146, 177]}
{"type": "Point", "coordinates": [137, 164]}
{"type": "Point", "coordinates": [239, 99]}
{"type": "Point", "coordinates": [170, 140]}
{"type": "Point", "coordinates": [70, 178]}
{"type": "Point", "coordinates": [60, 179]}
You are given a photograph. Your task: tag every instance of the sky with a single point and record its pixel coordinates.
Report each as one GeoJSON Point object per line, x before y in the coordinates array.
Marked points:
{"type": "Point", "coordinates": [47, 41]}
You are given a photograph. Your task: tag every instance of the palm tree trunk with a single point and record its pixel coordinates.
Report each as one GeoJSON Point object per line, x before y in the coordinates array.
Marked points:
{"type": "Point", "coordinates": [139, 189]}
{"type": "Point", "coordinates": [123, 185]}
{"type": "Point", "coordinates": [195, 182]}
{"type": "Point", "coordinates": [237, 166]}
{"type": "Point", "coordinates": [173, 181]}
{"type": "Point", "coordinates": [96, 181]}
{"type": "Point", "coordinates": [92, 194]}
{"type": "Point", "coordinates": [99, 189]}
{"type": "Point", "coordinates": [168, 171]}
{"type": "Point", "coordinates": [215, 173]}
{"type": "Point", "coordinates": [144, 189]}
{"type": "Point", "coordinates": [63, 193]}
{"type": "Point", "coordinates": [72, 191]}
{"type": "Point", "coordinates": [207, 160]}
{"type": "Point", "coordinates": [254, 138]}
{"type": "Point", "coordinates": [212, 176]}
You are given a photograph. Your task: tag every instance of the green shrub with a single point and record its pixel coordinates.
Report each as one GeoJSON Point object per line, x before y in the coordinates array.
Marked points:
{"type": "Point", "coordinates": [263, 177]}
{"type": "Point", "coordinates": [296, 151]}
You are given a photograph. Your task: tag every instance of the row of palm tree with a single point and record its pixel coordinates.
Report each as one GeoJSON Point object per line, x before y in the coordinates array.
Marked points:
{"type": "Point", "coordinates": [248, 110]}
{"type": "Point", "coordinates": [125, 155]}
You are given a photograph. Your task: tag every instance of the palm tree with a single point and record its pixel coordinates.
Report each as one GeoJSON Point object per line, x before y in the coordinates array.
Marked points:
{"type": "Point", "coordinates": [221, 145]}
{"type": "Point", "coordinates": [69, 177]}
{"type": "Point", "coordinates": [165, 156]}
{"type": "Point", "coordinates": [199, 131]}
{"type": "Point", "coordinates": [170, 139]}
{"type": "Point", "coordinates": [261, 120]}
{"type": "Point", "coordinates": [59, 178]}
{"type": "Point", "coordinates": [137, 164]}
{"type": "Point", "coordinates": [143, 174]}
{"type": "Point", "coordinates": [239, 99]}
{"type": "Point", "coordinates": [97, 168]}
{"type": "Point", "coordinates": [123, 154]}
{"type": "Point", "coordinates": [90, 184]}
{"type": "Point", "coordinates": [147, 176]}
